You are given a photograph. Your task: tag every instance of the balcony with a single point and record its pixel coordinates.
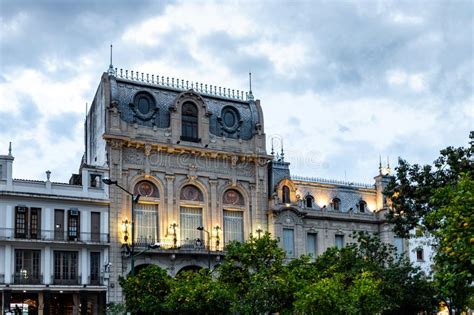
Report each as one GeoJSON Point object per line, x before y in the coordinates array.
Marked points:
{"type": "Point", "coordinates": [65, 279]}
{"type": "Point", "coordinates": [26, 277]}
{"type": "Point", "coordinates": [95, 280]}
{"type": "Point", "coordinates": [52, 235]}
{"type": "Point", "coordinates": [196, 245]}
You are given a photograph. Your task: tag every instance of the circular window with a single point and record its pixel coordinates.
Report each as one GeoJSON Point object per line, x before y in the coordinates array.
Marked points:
{"type": "Point", "coordinates": [230, 118]}
{"type": "Point", "coordinates": [144, 105]}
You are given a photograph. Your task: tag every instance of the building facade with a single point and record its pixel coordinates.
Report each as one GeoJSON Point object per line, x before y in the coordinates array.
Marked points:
{"type": "Point", "coordinates": [187, 171]}
{"type": "Point", "coordinates": [54, 243]}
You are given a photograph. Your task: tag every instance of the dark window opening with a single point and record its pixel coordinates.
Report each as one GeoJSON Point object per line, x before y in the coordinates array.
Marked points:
{"type": "Point", "coordinates": [27, 266]}
{"type": "Point", "coordinates": [362, 206]}
{"type": "Point", "coordinates": [65, 267]}
{"type": "Point", "coordinates": [189, 123]}
{"type": "Point", "coordinates": [21, 222]}
{"type": "Point", "coordinates": [95, 268]}
{"type": "Point", "coordinates": [419, 254]}
{"type": "Point", "coordinates": [95, 180]}
{"type": "Point", "coordinates": [309, 201]}
{"type": "Point", "coordinates": [27, 222]}
{"type": "Point", "coordinates": [336, 204]}
{"type": "Point", "coordinates": [286, 194]}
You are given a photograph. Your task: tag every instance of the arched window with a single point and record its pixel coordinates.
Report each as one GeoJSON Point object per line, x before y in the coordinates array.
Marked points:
{"type": "Point", "coordinates": [286, 194]}
{"type": "Point", "coordinates": [362, 206]}
{"type": "Point", "coordinates": [233, 201]}
{"type": "Point", "coordinates": [146, 214]}
{"type": "Point", "coordinates": [309, 201]}
{"type": "Point", "coordinates": [191, 199]}
{"type": "Point", "coordinates": [336, 204]}
{"type": "Point", "coordinates": [189, 122]}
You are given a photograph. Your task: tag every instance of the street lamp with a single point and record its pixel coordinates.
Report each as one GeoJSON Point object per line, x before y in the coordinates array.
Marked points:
{"type": "Point", "coordinates": [201, 228]}
{"type": "Point", "coordinates": [135, 199]}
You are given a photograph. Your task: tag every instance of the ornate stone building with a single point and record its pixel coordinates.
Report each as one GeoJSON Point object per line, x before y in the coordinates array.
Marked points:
{"type": "Point", "coordinates": [196, 155]}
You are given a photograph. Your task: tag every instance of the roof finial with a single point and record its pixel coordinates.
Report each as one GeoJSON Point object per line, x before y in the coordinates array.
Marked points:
{"type": "Point", "coordinates": [250, 95]}
{"type": "Point", "coordinates": [273, 152]}
{"type": "Point", "coordinates": [282, 152]}
{"type": "Point", "coordinates": [388, 166]}
{"type": "Point", "coordinates": [380, 164]}
{"type": "Point", "coordinates": [10, 149]}
{"type": "Point", "coordinates": [111, 66]}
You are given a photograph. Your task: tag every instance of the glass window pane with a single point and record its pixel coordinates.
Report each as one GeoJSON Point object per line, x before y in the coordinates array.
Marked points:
{"type": "Point", "coordinates": [146, 224]}
{"type": "Point", "coordinates": [190, 220]}
{"type": "Point", "coordinates": [233, 226]}
{"type": "Point", "coordinates": [339, 241]}
{"type": "Point", "coordinates": [312, 244]}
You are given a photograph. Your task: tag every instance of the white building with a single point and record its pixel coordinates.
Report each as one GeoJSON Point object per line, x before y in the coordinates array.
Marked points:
{"type": "Point", "coordinates": [53, 243]}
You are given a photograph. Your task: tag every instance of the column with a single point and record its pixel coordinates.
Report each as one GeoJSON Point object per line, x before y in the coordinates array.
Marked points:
{"type": "Point", "coordinates": [8, 264]}
{"type": "Point", "coordinates": [169, 192]}
{"type": "Point", "coordinates": [9, 221]}
{"type": "Point", "coordinates": [84, 266]}
{"type": "Point", "coordinates": [47, 265]}
{"type": "Point", "coordinates": [214, 216]}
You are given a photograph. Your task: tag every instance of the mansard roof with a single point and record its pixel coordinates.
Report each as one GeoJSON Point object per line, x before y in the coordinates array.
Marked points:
{"type": "Point", "coordinates": [232, 113]}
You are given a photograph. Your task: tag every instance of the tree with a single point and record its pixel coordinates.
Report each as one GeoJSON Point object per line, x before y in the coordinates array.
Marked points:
{"type": "Point", "coordinates": [255, 272]}
{"type": "Point", "coordinates": [147, 290]}
{"type": "Point", "coordinates": [438, 200]}
{"type": "Point", "coordinates": [198, 293]}
{"type": "Point", "coordinates": [454, 273]}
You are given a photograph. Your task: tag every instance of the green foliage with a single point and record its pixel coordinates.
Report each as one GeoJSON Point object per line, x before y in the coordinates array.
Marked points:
{"type": "Point", "coordinates": [454, 259]}
{"type": "Point", "coordinates": [116, 309]}
{"type": "Point", "coordinates": [254, 278]}
{"type": "Point", "coordinates": [198, 293]}
{"type": "Point", "coordinates": [146, 291]}
{"type": "Point", "coordinates": [438, 200]}
{"type": "Point", "coordinates": [255, 272]}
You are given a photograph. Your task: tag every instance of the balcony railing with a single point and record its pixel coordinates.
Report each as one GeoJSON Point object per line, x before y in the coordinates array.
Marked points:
{"type": "Point", "coordinates": [66, 280]}
{"type": "Point", "coordinates": [52, 235]}
{"type": "Point", "coordinates": [2, 278]}
{"type": "Point", "coordinates": [27, 278]}
{"type": "Point", "coordinates": [95, 280]}
{"type": "Point", "coordinates": [184, 245]}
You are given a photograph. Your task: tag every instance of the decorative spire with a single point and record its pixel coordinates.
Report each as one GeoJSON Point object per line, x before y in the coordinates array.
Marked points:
{"type": "Point", "coordinates": [282, 152]}
{"type": "Point", "coordinates": [250, 95]}
{"type": "Point", "coordinates": [111, 66]}
{"type": "Point", "coordinates": [388, 166]}
{"type": "Point", "coordinates": [10, 149]}
{"type": "Point", "coordinates": [380, 165]}
{"type": "Point", "coordinates": [273, 151]}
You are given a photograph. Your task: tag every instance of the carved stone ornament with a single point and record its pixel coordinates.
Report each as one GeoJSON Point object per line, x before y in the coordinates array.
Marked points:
{"type": "Point", "coordinates": [191, 193]}
{"type": "Point", "coordinates": [147, 149]}
{"type": "Point", "coordinates": [116, 144]}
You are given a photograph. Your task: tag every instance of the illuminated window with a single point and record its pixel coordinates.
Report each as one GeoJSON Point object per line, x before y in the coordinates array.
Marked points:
{"type": "Point", "coordinates": [233, 226]}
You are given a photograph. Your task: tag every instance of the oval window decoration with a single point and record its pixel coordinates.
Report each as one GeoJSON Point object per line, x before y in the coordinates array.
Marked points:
{"type": "Point", "coordinates": [230, 118]}
{"type": "Point", "coordinates": [233, 197]}
{"type": "Point", "coordinates": [191, 193]}
{"type": "Point", "coordinates": [146, 189]}
{"type": "Point", "coordinates": [144, 105]}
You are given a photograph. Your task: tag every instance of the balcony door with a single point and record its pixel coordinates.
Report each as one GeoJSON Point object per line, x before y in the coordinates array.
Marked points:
{"type": "Point", "coordinates": [95, 226]}
{"type": "Point", "coordinates": [59, 225]}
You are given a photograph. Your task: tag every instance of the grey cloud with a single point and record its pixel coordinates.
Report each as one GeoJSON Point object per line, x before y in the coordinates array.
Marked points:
{"type": "Point", "coordinates": [28, 116]}
{"type": "Point", "coordinates": [64, 125]}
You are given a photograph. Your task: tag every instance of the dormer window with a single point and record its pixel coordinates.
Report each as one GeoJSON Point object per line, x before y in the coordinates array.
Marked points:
{"type": "Point", "coordinates": [309, 201]}
{"type": "Point", "coordinates": [189, 122]}
{"type": "Point", "coordinates": [362, 206]}
{"type": "Point", "coordinates": [286, 194]}
{"type": "Point", "coordinates": [95, 180]}
{"type": "Point", "coordinates": [336, 204]}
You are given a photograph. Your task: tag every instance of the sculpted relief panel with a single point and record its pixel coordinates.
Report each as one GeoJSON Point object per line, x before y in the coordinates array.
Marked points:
{"type": "Point", "coordinates": [183, 161]}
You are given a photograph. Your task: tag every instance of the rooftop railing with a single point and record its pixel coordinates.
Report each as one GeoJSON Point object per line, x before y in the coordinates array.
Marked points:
{"type": "Point", "coordinates": [331, 181]}
{"type": "Point", "coordinates": [183, 85]}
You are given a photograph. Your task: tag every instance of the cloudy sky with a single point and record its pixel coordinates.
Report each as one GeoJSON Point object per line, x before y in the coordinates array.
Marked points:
{"type": "Point", "coordinates": [342, 82]}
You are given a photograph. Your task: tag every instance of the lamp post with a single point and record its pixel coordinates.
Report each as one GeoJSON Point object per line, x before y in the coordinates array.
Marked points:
{"type": "Point", "coordinates": [135, 199]}
{"type": "Point", "coordinates": [201, 228]}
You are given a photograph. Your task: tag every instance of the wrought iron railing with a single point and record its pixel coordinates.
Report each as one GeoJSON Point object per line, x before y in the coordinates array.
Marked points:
{"type": "Point", "coordinates": [52, 235]}
{"type": "Point", "coordinates": [27, 278]}
{"type": "Point", "coordinates": [331, 181]}
{"type": "Point", "coordinates": [66, 279]}
{"type": "Point", "coordinates": [182, 84]}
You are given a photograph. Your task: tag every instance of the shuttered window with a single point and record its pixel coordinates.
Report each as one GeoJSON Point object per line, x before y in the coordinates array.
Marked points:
{"type": "Point", "coordinates": [233, 226]}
